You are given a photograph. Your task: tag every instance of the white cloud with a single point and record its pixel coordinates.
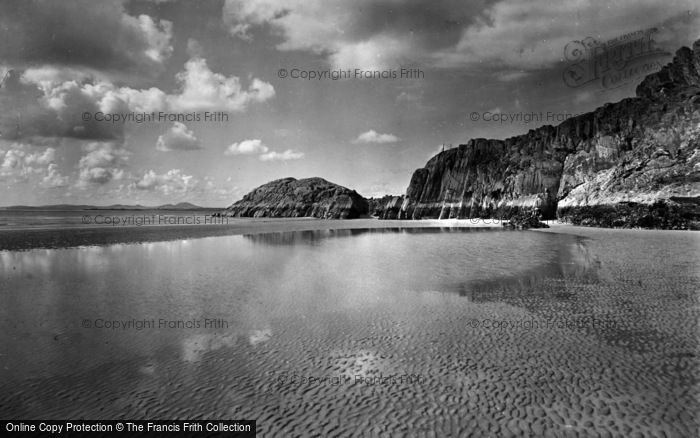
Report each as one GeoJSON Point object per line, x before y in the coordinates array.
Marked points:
{"type": "Point", "coordinates": [67, 94]}
{"type": "Point", "coordinates": [173, 182]}
{"type": "Point", "coordinates": [257, 147]}
{"type": "Point", "coordinates": [377, 53]}
{"type": "Point", "coordinates": [203, 89]}
{"type": "Point", "coordinates": [178, 138]}
{"type": "Point", "coordinates": [102, 163]}
{"type": "Point", "coordinates": [19, 163]}
{"type": "Point", "coordinates": [289, 154]}
{"type": "Point", "coordinates": [246, 147]}
{"type": "Point", "coordinates": [53, 178]}
{"type": "Point", "coordinates": [156, 34]}
{"type": "Point", "coordinates": [380, 189]}
{"type": "Point", "coordinates": [373, 136]}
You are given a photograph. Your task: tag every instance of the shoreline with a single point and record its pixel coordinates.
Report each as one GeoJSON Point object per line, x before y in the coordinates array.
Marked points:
{"type": "Point", "coordinates": [27, 238]}
{"type": "Point", "coordinates": [58, 237]}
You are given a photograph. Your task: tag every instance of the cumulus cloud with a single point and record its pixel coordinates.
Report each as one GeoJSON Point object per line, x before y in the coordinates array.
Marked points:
{"type": "Point", "coordinates": [54, 178]}
{"type": "Point", "coordinates": [199, 89]}
{"type": "Point", "coordinates": [172, 182]}
{"type": "Point", "coordinates": [96, 34]}
{"type": "Point", "coordinates": [373, 136]}
{"type": "Point", "coordinates": [203, 89]}
{"type": "Point", "coordinates": [66, 94]}
{"type": "Point", "coordinates": [246, 147]}
{"type": "Point", "coordinates": [178, 138]}
{"type": "Point", "coordinates": [102, 162]}
{"type": "Point", "coordinates": [22, 163]}
{"type": "Point", "coordinates": [287, 155]}
{"type": "Point", "coordinates": [257, 147]}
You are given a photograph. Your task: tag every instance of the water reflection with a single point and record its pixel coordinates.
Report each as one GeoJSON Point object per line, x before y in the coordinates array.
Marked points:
{"type": "Point", "coordinates": [255, 280]}
{"type": "Point", "coordinates": [313, 237]}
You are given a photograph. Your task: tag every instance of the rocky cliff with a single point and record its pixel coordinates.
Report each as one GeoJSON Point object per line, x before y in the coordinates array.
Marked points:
{"type": "Point", "coordinates": [632, 163]}
{"type": "Point", "coordinates": [310, 197]}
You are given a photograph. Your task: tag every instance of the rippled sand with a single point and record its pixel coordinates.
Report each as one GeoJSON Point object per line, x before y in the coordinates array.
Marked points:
{"type": "Point", "coordinates": [434, 364]}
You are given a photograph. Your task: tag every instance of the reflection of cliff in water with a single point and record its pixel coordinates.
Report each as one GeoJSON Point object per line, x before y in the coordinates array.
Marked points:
{"type": "Point", "coordinates": [312, 237]}
{"type": "Point", "coordinates": [572, 282]}
{"type": "Point", "coordinates": [574, 263]}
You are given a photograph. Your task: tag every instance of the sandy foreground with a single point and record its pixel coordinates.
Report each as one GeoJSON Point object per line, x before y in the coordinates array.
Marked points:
{"type": "Point", "coordinates": [628, 368]}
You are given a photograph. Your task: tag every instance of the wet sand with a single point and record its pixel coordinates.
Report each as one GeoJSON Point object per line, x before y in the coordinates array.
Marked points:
{"type": "Point", "coordinates": [23, 238]}
{"type": "Point", "coordinates": [477, 363]}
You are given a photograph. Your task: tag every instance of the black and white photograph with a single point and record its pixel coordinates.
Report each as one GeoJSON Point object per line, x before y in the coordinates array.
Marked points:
{"type": "Point", "coordinates": [350, 218]}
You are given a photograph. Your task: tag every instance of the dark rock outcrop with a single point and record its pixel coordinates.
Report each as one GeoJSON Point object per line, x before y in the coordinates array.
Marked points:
{"type": "Point", "coordinates": [634, 163]}
{"type": "Point", "coordinates": [379, 206]}
{"type": "Point", "coordinates": [525, 220]}
{"type": "Point", "coordinates": [310, 197]}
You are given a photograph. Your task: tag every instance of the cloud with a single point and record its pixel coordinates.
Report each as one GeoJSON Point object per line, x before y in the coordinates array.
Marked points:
{"type": "Point", "coordinates": [173, 182]}
{"type": "Point", "coordinates": [289, 154]}
{"type": "Point", "coordinates": [65, 95]}
{"type": "Point", "coordinates": [93, 34]}
{"type": "Point", "coordinates": [22, 163]}
{"type": "Point", "coordinates": [178, 138]}
{"type": "Point", "coordinates": [225, 192]}
{"type": "Point", "coordinates": [380, 52]}
{"type": "Point", "coordinates": [199, 89]}
{"type": "Point", "coordinates": [257, 147]}
{"type": "Point", "coordinates": [53, 178]}
{"type": "Point", "coordinates": [507, 34]}
{"type": "Point", "coordinates": [203, 89]}
{"type": "Point", "coordinates": [373, 136]}
{"type": "Point", "coordinates": [102, 162]}
{"type": "Point", "coordinates": [532, 35]}
{"type": "Point", "coordinates": [361, 34]}
{"type": "Point", "coordinates": [18, 161]}
{"type": "Point", "coordinates": [177, 185]}
{"type": "Point", "coordinates": [380, 188]}
{"type": "Point", "coordinates": [246, 147]}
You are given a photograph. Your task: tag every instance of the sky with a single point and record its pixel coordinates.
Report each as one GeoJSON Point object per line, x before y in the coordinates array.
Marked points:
{"type": "Point", "coordinates": [154, 102]}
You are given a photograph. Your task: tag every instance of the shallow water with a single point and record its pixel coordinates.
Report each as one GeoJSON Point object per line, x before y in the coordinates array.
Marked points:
{"type": "Point", "coordinates": [331, 332]}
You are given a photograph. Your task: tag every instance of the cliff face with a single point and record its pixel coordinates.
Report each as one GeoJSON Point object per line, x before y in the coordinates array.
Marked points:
{"type": "Point", "coordinates": [310, 197]}
{"type": "Point", "coordinates": [631, 163]}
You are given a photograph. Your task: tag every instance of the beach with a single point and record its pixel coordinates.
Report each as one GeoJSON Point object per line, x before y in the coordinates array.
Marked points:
{"type": "Point", "coordinates": [68, 230]}
{"type": "Point", "coordinates": [566, 331]}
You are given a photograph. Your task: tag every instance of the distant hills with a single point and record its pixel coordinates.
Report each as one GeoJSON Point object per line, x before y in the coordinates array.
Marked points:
{"type": "Point", "coordinates": [65, 207]}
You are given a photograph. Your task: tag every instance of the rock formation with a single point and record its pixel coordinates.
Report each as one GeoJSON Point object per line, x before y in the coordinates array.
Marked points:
{"type": "Point", "coordinates": [310, 197]}
{"type": "Point", "coordinates": [378, 206]}
{"type": "Point", "coordinates": [634, 163]}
